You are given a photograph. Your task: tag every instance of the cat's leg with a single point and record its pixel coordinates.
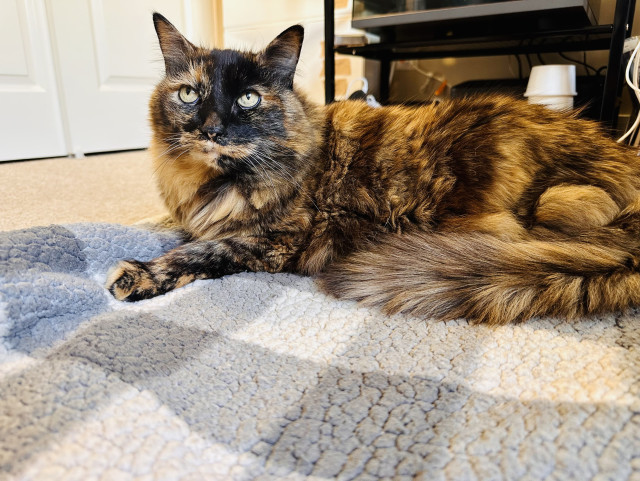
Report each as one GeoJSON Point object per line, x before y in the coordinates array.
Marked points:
{"type": "Point", "coordinates": [132, 280]}
{"type": "Point", "coordinates": [574, 209]}
{"type": "Point", "coordinates": [589, 214]}
{"type": "Point", "coordinates": [562, 210]}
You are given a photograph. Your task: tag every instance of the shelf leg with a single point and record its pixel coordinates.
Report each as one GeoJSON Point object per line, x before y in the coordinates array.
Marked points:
{"type": "Point", "coordinates": [385, 73]}
{"type": "Point", "coordinates": [612, 82]}
{"type": "Point", "coordinates": [329, 56]}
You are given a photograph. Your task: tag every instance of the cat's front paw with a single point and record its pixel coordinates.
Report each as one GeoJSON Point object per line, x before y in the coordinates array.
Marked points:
{"type": "Point", "coordinates": [132, 281]}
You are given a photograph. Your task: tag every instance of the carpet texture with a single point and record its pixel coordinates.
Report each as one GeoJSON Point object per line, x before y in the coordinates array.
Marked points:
{"type": "Point", "coordinates": [116, 188]}
{"type": "Point", "coordinates": [259, 376]}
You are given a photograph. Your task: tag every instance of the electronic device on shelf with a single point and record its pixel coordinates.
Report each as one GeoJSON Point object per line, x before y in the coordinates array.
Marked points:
{"type": "Point", "coordinates": [400, 20]}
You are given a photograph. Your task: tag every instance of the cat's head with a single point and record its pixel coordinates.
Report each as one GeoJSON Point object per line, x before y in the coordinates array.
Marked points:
{"type": "Point", "coordinates": [234, 111]}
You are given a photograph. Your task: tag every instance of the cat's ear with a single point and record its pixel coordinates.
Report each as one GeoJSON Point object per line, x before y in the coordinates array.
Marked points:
{"type": "Point", "coordinates": [175, 48]}
{"type": "Point", "coordinates": [282, 54]}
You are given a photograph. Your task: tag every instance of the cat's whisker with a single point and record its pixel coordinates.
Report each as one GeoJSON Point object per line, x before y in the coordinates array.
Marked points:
{"type": "Point", "coordinates": [163, 163]}
{"type": "Point", "coordinates": [167, 160]}
{"type": "Point", "coordinates": [280, 167]}
{"type": "Point", "coordinates": [172, 146]}
{"type": "Point", "coordinates": [267, 177]}
{"type": "Point", "coordinates": [169, 151]}
{"type": "Point", "coordinates": [260, 174]}
{"type": "Point", "coordinates": [185, 151]}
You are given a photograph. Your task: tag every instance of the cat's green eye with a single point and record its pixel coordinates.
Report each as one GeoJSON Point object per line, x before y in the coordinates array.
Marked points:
{"type": "Point", "coordinates": [249, 99]}
{"type": "Point", "coordinates": [188, 95]}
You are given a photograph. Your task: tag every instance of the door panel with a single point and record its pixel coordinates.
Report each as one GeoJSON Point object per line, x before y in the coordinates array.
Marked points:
{"type": "Point", "coordinates": [109, 62]}
{"type": "Point", "coordinates": [76, 75]}
{"type": "Point", "coordinates": [115, 34]}
{"type": "Point", "coordinates": [30, 117]}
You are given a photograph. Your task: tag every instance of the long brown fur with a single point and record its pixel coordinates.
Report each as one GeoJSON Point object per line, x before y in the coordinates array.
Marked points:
{"type": "Point", "coordinates": [486, 208]}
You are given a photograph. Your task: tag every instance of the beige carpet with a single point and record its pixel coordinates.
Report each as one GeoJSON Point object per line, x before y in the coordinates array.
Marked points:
{"type": "Point", "coordinates": [115, 187]}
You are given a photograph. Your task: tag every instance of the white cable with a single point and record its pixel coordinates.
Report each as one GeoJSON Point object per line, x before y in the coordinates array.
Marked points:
{"type": "Point", "coordinates": [636, 68]}
{"type": "Point", "coordinates": [371, 100]}
{"type": "Point", "coordinates": [418, 69]}
{"type": "Point", "coordinates": [633, 60]}
{"type": "Point", "coordinates": [365, 85]}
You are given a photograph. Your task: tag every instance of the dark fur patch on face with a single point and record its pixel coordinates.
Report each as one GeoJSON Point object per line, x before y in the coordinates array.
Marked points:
{"type": "Point", "coordinates": [230, 134]}
{"type": "Point", "coordinates": [243, 141]}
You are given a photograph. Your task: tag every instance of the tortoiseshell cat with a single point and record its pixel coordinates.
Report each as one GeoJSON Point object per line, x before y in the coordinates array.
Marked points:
{"type": "Point", "coordinates": [485, 208]}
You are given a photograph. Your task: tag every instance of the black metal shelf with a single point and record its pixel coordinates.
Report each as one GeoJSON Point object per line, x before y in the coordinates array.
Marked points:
{"type": "Point", "coordinates": [601, 37]}
{"type": "Point", "coordinates": [590, 38]}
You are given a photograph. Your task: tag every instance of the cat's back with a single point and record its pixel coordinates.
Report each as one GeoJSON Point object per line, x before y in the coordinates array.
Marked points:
{"type": "Point", "coordinates": [354, 117]}
{"type": "Point", "coordinates": [482, 153]}
{"type": "Point", "coordinates": [479, 129]}
{"type": "Point", "coordinates": [425, 135]}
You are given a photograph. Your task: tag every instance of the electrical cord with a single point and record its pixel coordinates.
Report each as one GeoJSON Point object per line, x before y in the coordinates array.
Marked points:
{"type": "Point", "coordinates": [519, 66]}
{"type": "Point", "coordinates": [633, 84]}
{"type": "Point", "coordinates": [587, 68]}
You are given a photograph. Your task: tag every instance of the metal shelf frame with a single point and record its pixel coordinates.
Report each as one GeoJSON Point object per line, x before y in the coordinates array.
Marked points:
{"type": "Point", "coordinates": [609, 37]}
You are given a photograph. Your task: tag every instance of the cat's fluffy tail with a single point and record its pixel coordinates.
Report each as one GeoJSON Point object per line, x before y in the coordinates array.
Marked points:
{"type": "Point", "coordinates": [487, 279]}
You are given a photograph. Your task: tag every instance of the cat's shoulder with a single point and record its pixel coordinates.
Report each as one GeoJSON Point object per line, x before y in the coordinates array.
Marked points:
{"type": "Point", "coordinates": [354, 114]}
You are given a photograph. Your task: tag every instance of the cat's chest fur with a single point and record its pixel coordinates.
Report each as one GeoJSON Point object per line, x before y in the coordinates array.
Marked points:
{"type": "Point", "coordinates": [203, 214]}
{"type": "Point", "coordinates": [208, 210]}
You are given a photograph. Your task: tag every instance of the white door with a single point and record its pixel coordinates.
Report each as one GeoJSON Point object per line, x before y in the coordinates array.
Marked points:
{"type": "Point", "coordinates": [76, 75]}
{"type": "Point", "coordinates": [108, 63]}
{"type": "Point", "coordinates": [30, 118]}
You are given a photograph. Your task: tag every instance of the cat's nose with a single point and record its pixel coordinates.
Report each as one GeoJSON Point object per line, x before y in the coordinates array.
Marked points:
{"type": "Point", "coordinates": [213, 131]}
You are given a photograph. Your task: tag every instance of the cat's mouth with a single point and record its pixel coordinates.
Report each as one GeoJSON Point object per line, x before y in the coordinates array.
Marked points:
{"type": "Point", "coordinates": [213, 151]}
